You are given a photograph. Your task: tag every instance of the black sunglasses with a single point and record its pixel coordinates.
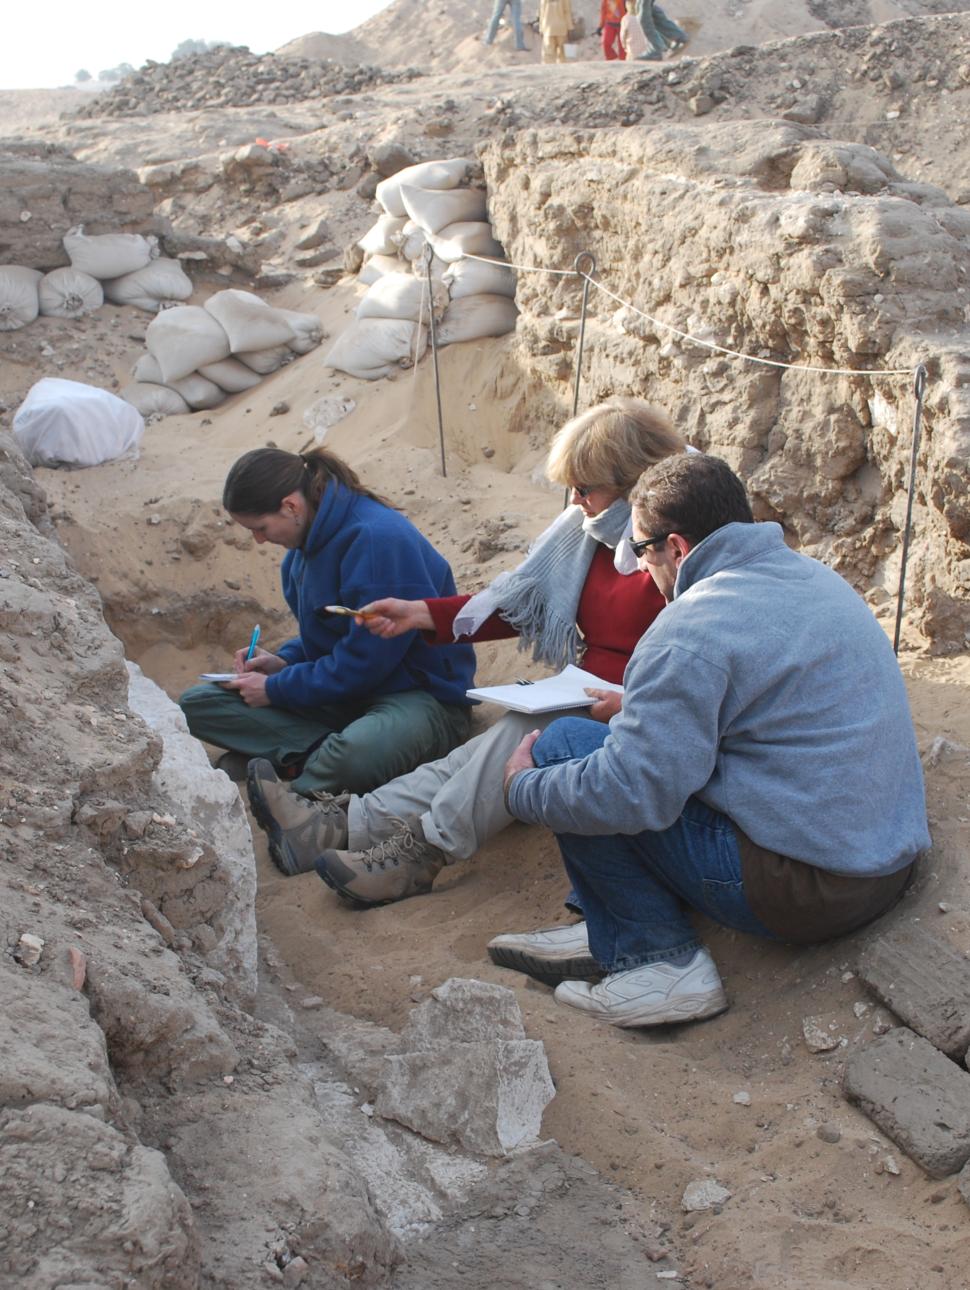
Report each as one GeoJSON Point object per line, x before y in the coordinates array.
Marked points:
{"type": "Point", "coordinates": [638, 548]}
{"type": "Point", "coordinates": [583, 490]}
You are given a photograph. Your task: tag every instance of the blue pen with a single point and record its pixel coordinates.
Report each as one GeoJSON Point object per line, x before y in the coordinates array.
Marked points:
{"type": "Point", "coordinates": [253, 643]}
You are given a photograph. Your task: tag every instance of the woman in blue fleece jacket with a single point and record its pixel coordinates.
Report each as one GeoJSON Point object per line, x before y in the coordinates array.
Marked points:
{"type": "Point", "coordinates": [346, 708]}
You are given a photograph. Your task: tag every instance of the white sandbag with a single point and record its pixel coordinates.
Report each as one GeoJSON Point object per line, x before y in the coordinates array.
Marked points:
{"type": "Point", "coordinates": [412, 246]}
{"type": "Point", "coordinates": [19, 303]}
{"type": "Point", "coordinates": [473, 278]}
{"type": "Point", "coordinates": [307, 330]}
{"type": "Point", "coordinates": [231, 375]}
{"type": "Point", "coordinates": [472, 317]}
{"type": "Point", "coordinates": [108, 255]}
{"type": "Point", "coordinates": [382, 237]}
{"type": "Point", "coordinates": [146, 288]}
{"type": "Point", "coordinates": [248, 321]}
{"type": "Point", "coordinates": [184, 339]}
{"type": "Point", "coordinates": [456, 240]}
{"type": "Point", "coordinates": [147, 369]}
{"type": "Point", "coordinates": [154, 400]}
{"type": "Point", "coordinates": [426, 174]}
{"type": "Point", "coordinates": [439, 268]}
{"type": "Point", "coordinates": [69, 293]}
{"type": "Point", "coordinates": [198, 391]}
{"type": "Point", "coordinates": [401, 295]}
{"type": "Point", "coordinates": [268, 360]}
{"type": "Point", "coordinates": [375, 266]}
{"type": "Point", "coordinates": [375, 347]}
{"type": "Point", "coordinates": [433, 210]}
{"type": "Point", "coordinates": [67, 423]}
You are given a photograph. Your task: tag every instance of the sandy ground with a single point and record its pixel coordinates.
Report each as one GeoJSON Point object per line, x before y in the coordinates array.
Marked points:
{"type": "Point", "coordinates": [652, 1111]}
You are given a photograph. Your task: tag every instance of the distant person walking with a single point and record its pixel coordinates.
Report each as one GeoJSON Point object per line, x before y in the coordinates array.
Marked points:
{"type": "Point", "coordinates": [611, 15]}
{"type": "Point", "coordinates": [633, 41]}
{"type": "Point", "coordinates": [515, 8]}
{"type": "Point", "coordinates": [660, 29]}
{"type": "Point", "coordinates": [555, 21]}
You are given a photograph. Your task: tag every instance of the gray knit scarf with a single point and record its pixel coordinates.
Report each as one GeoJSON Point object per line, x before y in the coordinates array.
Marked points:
{"type": "Point", "coordinates": [540, 598]}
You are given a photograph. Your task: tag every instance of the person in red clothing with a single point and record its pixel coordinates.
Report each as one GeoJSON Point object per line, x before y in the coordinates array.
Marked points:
{"type": "Point", "coordinates": [579, 597]}
{"type": "Point", "coordinates": [611, 15]}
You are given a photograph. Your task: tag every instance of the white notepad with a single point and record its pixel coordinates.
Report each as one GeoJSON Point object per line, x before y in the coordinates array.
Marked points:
{"type": "Point", "coordinates": [566, 690]}
{"type": "Point", "coordinates": [219, 676]}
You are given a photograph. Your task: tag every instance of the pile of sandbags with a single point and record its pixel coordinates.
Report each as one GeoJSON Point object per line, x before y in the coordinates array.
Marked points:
{"type": "Point", "coordinates": [427, 210]}
{"type": "Point", "coordinates": [197, 355]}
{"type": "Point", "coordinates": [124, 268]}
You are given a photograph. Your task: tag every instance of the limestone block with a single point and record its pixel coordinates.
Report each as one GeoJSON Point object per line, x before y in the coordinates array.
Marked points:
{"type": "Point", "coordinates": [924, 981]}
{"type": "Point", "coordinates": [464, 1012]}
{"type": "Point", "coordinates": [488, 1096]}
{"type": "Point", "coordinates": [917, 1096]}
{"type": "Point", "coordinates": [208, 801]}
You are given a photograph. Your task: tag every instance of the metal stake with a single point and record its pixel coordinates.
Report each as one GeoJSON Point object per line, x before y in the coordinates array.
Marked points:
{"type": "Point", "coordinates": [919, 389]}
{"type": "Point", "coordinates": [585, 266]}
{"type": "Point", "coordinates": [428, 257]}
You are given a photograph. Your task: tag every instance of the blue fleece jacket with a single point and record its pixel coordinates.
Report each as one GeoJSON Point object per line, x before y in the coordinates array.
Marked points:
{"type": "Point", "coordinates": [358, 550]}
{"type": "Point", "coordinates": [768, 690]}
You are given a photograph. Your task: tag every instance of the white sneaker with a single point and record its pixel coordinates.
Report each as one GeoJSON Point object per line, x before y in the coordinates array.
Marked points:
{"type": "Point", "coordinates": [551, 954]}
{"type": "Point", "coordinates": [653, 994]}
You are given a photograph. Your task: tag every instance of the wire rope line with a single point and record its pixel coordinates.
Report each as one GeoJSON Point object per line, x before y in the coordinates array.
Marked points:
{"type": "Point", "coordinates": [751, 358]}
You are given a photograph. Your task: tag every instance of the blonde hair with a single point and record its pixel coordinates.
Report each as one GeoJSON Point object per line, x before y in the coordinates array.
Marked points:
{"type": "Point", "coordinates": [611, 445]}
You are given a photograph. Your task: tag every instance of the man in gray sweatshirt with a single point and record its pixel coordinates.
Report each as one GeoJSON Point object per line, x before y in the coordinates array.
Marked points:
{"type": "Point", "coordinates": [763, 769]}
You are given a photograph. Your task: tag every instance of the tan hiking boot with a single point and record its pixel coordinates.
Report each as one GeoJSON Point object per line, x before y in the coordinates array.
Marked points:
{"type": "Point", "coordinates": [299, 829]}
{"type": "Point", "coordinates": [403, 865]}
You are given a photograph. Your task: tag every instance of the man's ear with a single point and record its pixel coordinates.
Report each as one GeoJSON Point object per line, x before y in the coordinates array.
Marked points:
{"type": "Point", "coordinates": [680, 544]}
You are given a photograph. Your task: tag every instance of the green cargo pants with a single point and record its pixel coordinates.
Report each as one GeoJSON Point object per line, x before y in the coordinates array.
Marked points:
{"type": "Point", "coordinates": [348, 747]}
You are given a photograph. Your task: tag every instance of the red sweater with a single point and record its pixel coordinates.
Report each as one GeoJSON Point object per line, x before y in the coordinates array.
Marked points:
{"type": "Point", "coordinates": [614, 612]}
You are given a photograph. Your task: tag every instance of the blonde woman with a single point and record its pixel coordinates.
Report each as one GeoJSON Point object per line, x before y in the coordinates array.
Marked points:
{"type": "Point", "coordinates": [577, 598]}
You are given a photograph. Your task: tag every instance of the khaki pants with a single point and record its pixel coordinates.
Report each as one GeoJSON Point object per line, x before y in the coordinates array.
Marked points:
{"type": "Point", "coordinates": [347, 747]}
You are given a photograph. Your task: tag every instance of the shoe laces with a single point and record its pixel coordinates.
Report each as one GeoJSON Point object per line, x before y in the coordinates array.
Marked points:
{"type": "Point", "coordinates": [402, 845]}
{"type": "Point", "coordinates": [330, 805]}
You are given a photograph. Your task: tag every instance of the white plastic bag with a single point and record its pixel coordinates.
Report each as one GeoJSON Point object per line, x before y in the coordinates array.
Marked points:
{"type": "Point", "coordinates": [472, 317]}
{"type": "Point", "coordinates": [248, 321]}
{"type": "Point", "coordinates": [473, 278]}
{"type": "Point", "coordinates": [19, 302]}
{"type": "Point", "coordinates": [69, 293]}
{"type": "Point", "coordinates": [383, 237]}
{"type": "Point", "coordinates": [374, 347]}
{"type": "Point", "coordinates": [154, 400]}
{"type": "Point", "coordinates": [401, 295]}
{"type": "Point", "coordinates": [456, 240]}
{"type": "Point", "coordinates": [67, 423]}
{"type": "Point", "coordinates": [108, 255]}
{"type": "Point", "coordinates": [184, 339]}
{"type": "Point", "coordinates": [147, 288]}
{"type": "Point", "coordinates": [433, 210]}
{"type": "Point", "coordinates": [426, 174]}
{"type": "Point", "coordinates": [231, 375]}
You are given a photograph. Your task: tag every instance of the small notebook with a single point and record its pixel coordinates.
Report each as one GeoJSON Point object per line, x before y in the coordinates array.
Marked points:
{"type": "Point", "coordinates": [219, 676]}
{"type": "Point", "coordinates": [566, 690]}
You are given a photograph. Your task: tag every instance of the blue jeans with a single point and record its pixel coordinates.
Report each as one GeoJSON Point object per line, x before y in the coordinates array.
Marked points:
{"type": "Point", "coordinates": [659, 28]}
{"type": "Point", "coordinates": [516, 14]}
{"type": "Point", "coordinates": [636, 890]}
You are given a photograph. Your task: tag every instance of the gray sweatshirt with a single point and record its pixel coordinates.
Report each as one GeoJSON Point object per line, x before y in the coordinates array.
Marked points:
{"type": "Point", "coordinates": [768, 690]}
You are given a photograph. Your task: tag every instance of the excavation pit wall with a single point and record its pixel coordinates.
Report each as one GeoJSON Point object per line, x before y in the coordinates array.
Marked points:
{"type": "Point", "coordinates": [768, 239]}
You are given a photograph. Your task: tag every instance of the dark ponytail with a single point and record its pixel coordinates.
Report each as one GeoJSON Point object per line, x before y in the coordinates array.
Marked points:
{"type": "Point", "coordinates": [259, 480]}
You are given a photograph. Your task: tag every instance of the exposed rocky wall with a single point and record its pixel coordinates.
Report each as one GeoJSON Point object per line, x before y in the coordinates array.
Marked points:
{"type": "Point", "coordinates": [44, 191]}
{"type": "Point", "coordinates": [137, 1098]}
{"type": "Point", "coordinates": [769, 239]}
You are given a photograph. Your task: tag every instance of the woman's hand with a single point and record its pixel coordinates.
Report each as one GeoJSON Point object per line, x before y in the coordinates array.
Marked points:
{"type": "Point", "coordinates": [262, 661]}
{"type": "Point", "coordinates": [392, 617]}
{"type": "Point", "coordinates": [251, 687]}
{"type": "Point", "coordinates": [608, 704]}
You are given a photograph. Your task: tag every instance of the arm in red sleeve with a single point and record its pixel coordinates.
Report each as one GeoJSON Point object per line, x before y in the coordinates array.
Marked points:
{"type": "Point", "coordinates": [443, 612]}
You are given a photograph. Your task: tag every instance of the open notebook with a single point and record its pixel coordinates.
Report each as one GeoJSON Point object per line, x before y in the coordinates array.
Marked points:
{"type": "Point", "coordinates": [566, 690]}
